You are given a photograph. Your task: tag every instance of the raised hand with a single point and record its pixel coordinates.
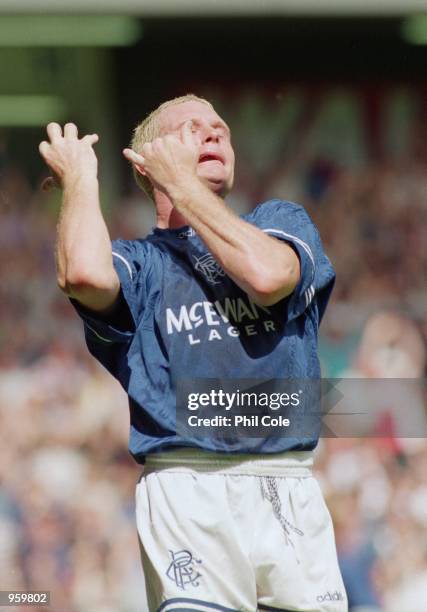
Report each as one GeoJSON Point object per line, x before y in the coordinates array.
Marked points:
{"type": "Point", "coordinates": [168, 160]}
{"type": "Point", "coordinates": [68, 156]}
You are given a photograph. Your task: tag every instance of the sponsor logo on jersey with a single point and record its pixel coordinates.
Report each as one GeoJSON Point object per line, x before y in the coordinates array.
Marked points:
{"type": "Point", "coordinates": [182, 571]}
{"type": "Point", "coordinates": [231, 316]}
{"type": "Point", "coordinates": [335, 596]}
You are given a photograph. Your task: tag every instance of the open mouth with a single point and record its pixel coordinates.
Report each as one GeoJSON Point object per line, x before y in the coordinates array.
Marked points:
{"type": "Point", "coordinates": [206, 157]}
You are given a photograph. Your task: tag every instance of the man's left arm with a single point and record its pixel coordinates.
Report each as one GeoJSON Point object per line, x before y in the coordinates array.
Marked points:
{"type": "Point", "coordinates": [267, 269]}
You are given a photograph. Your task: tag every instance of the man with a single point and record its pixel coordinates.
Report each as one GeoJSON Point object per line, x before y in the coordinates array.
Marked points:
{"type": "Point", "coordinates": [223, 525]}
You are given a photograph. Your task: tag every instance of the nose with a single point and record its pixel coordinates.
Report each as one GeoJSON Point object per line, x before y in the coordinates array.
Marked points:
{"type": "Point", "coordinates": [210, 134]}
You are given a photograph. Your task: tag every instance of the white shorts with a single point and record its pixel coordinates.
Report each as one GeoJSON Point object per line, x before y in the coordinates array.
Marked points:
{"type": "Point", "coordinates": [229, 533]}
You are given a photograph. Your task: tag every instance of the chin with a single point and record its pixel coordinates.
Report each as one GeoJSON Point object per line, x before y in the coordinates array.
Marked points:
{"type": "Point", "coordinates": [216, 184]}
{"type": "Point", "coordinates": [218, 187]}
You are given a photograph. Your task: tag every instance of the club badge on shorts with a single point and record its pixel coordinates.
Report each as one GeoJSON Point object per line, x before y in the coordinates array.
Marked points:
{"type": "Point", "coordinates": [181, 569]}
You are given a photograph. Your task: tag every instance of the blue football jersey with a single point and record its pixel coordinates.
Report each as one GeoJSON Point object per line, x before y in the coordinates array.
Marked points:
{"type": "Point", "coordinates": [186, 318]}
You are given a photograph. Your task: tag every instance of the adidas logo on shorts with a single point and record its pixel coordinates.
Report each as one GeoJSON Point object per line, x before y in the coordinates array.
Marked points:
{"type": "Point", "coordinates": [335, 596]}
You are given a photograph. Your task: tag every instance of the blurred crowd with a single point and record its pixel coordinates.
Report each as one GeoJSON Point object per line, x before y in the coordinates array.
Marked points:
{"type": "Point", "coordinates": [66, 480]}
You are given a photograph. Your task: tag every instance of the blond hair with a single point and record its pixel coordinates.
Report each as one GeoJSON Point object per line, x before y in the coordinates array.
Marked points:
{"type": "Point", "coordinates": [149, 129]}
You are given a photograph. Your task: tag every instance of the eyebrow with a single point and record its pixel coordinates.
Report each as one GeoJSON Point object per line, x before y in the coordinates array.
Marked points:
{"type": "Point", "coordinates": [219, 123]}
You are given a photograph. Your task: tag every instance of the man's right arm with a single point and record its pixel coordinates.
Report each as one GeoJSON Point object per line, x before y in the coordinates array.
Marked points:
{"type": "Point", "coordinates": [84, 262]}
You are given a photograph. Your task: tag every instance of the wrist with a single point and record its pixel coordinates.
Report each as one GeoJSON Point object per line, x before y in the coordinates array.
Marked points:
{"type": "Point", "coordinates": [184, 188]}
{"type": "Point", "coordinates": [77, 181]}
{"type": "Point", "coordinates": [80, 191]}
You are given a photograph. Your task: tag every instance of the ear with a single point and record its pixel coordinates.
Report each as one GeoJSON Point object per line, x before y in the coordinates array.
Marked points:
{"type": "Point", "coordinates": [140, 170]}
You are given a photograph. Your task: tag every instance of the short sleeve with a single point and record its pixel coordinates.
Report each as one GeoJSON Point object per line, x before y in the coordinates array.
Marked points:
{"type": "Point", "coordinates": [290, 222]}
{"type": "Point", "coordinates": [131, 261]}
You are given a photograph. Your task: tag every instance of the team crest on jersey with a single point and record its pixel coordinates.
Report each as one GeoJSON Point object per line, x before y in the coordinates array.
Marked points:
{"type": "Point", "coordinates": [209, 267]}
{"type": "Point", "coordinates": [181, 569]}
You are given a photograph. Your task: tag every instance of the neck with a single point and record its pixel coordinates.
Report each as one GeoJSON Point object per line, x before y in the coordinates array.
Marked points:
{"type": "Point", "coordinates": [167, 216]}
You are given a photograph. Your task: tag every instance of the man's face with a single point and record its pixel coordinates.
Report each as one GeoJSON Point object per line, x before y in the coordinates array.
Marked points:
{"type": "Point", "coordinates": [212, 135]}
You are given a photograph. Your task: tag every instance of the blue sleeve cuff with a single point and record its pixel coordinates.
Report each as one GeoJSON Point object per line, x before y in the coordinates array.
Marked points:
{"type": "Point", "coordinates": [303, 293]}
{"type": "Point", "coordinates": [99, 331]}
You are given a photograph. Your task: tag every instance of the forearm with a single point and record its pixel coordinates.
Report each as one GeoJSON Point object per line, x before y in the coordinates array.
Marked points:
{"type": "Point", "coordinates": [265, 268]}
{"type": "Point", "coordinates": [85, 269]}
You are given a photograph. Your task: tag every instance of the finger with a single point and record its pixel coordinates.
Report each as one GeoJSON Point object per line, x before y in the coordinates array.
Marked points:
{"type": "Point", "coordinates": [70, 130]}
{"type": "Point", "coordinates": [54, 131]}
{"type": "Point", "coordinates": [148, 148]}
{"type": "Point", "coordinates": [170, 139]}
{"type": "Point", "coordinates": [91, 138]}
{"type": "Point", "coordinates": [44, 148]}
{"type": "Point", "coordinates": [133, 157]}
{"type": "Point", "coordinates": [187, 134]}
{"type": "Point", "coordinates": [154, 146]}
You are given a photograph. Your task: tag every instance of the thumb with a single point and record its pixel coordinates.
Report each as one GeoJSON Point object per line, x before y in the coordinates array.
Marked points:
{"type": "Point", "coordinates": [91, 138]}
